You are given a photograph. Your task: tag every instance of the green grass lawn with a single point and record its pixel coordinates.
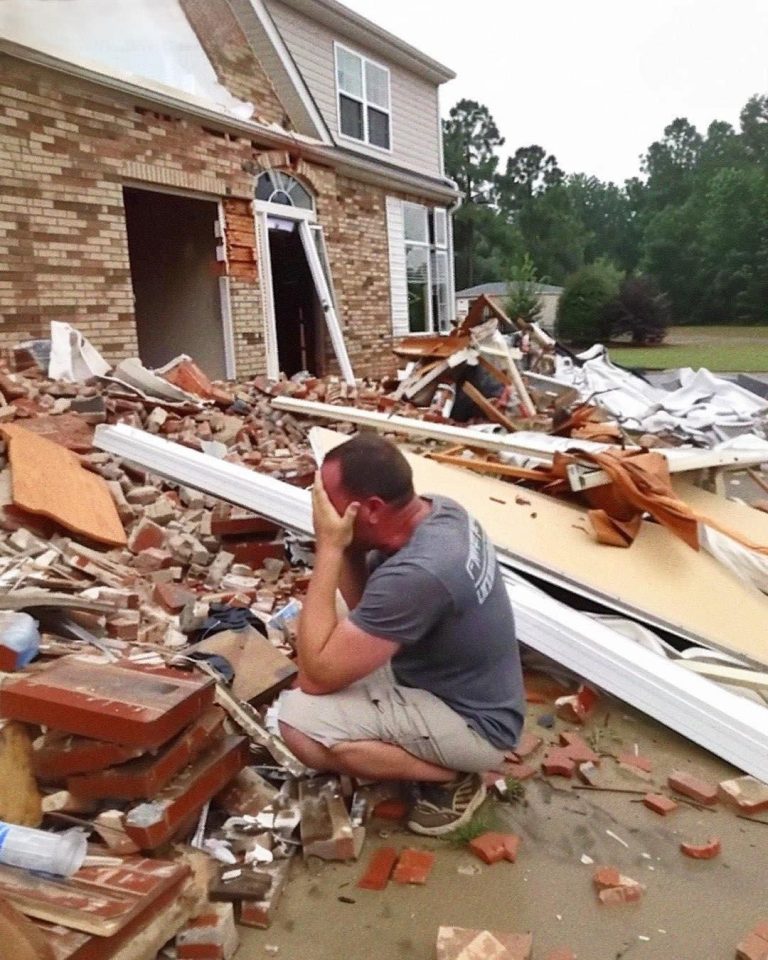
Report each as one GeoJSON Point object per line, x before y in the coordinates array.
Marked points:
{"type": "Point", "coordinates": [727, 349]}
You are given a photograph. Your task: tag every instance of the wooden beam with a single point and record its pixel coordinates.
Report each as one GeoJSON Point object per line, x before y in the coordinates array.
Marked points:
{"type": "Point", "coordinates": [487, 407]}
{"type": "Point", "coordinates": [491, 467]}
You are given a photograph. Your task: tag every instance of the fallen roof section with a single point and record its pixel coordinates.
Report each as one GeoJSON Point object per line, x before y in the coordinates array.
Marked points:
{"type": "Point", "coordinates": [659, 580]}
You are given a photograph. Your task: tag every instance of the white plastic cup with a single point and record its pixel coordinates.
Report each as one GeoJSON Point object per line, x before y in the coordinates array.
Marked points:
{"type": "Point", "coordinates": [61, 854]}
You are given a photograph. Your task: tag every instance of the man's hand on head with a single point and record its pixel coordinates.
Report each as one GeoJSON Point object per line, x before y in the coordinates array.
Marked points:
{"type": "Point", "coordinates": [331, 530]}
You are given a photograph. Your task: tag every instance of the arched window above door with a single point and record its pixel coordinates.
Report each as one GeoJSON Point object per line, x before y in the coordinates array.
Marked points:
{"type": "Point", "coordinates": [274, 186]}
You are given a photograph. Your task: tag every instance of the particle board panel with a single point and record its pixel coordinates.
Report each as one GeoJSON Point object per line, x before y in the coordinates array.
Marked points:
{"type": "Point", "coordinates": [48, 480]}
{"type": "Point", "coordinates": [118, 702]}
{"type": "Point", "coordinates": [658, 579]}
{"type": "Point", "coordinates": [261, 670]}
{"type": "Point", "coordinates": [739, 516]}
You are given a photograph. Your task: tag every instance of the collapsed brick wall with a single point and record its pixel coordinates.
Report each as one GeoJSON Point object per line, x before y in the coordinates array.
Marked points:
{"type": "Point", "coordinates": [236, 66]}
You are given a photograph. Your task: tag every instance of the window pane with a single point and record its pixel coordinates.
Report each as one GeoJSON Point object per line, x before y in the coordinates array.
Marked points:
{"type": "Point", "coordinates": [440, 292]}
{"type": "Point", "coordinates": [417, 273]}
{"type": "Point", "coordinates": [351, 118]}
{"type": "Point", "coordinates": [440, 221]}
{"type": "Point", "coordinates": [378, 128]}
{"type": "Point", "coordinates": [349, 72]}
{"type": "Point", "coordinates": [376, 85]}
{"type": "Point", "coordinates": [264, 186]}
{"type": "Point", "coordinates": [300, 196]}
{"type": "Point", "coordinates": [415, 222]}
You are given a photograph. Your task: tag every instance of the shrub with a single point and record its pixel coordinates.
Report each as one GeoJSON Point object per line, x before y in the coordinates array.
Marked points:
{"type": "Point", "coordinates": [640, 309]}
{"type": "Point", "coordinates": [523, 301]}
{"type": "Point", "coordinates": [581, 316]}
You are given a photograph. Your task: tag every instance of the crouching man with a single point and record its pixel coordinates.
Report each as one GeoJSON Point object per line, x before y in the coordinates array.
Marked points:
{"type": "Point", "coordinates": [422, 680]}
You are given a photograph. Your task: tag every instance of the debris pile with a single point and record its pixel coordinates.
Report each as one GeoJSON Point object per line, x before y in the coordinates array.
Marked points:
{"type": "Point", "coordinates": [148, 619]}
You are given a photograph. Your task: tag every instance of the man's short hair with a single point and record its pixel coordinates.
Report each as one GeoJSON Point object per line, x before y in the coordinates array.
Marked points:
{"type": "Point", "coordinates": [371, 466]}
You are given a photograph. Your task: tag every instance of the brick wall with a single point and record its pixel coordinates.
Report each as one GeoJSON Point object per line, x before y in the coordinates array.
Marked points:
{"type": "Point", "coordinates": [233, 60]}
{"type": "Point", "coordinates": [66, 149]}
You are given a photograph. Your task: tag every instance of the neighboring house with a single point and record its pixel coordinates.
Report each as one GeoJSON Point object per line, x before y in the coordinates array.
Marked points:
{"type": "Point", "coordinates": [549, 297]}
{"type": "Point", "coordinates": [257, 183]}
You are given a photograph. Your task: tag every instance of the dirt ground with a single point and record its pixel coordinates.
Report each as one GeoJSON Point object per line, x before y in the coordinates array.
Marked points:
{"type": "Point", "coordinates": [692, 910]}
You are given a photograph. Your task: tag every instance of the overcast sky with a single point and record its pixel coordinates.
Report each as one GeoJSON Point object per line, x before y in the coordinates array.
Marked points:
{"type": "Point", "coordinates": [592, 81]}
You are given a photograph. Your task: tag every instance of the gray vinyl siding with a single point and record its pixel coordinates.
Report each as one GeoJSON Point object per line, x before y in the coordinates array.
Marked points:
{"type": "Point", "coordinates": [414, 102]}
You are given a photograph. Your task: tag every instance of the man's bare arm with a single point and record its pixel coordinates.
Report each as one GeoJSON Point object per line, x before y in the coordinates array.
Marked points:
{"type": "Point", "coordinates": [353, 576]}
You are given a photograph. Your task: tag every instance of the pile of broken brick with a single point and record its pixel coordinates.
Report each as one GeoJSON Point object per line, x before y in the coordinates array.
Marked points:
{"type": "Point", "coordinates": [163, 641]}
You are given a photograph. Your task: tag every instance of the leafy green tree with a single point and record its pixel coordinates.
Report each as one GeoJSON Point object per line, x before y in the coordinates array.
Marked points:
{"type": "Point", "coordinates": [581, 312]}
{"type": "Point", "coordinates": [523, 301]}
{"type": "Point", "coordinates": [640, 309]}
{"type": "Point", "coordinates": [470, 139]}
{"type": "Point", "coordinates": [606, 212]}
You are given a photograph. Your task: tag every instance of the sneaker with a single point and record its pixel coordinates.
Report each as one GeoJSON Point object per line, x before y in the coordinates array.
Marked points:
{"type": "Point", "coordinates": [441, 808]}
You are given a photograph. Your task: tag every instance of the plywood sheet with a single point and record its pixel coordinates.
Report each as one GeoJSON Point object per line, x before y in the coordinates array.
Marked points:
{"type": "Point", "coordinates": [658, 579]}
{"type": "Point", "coordinates": [49, 480]}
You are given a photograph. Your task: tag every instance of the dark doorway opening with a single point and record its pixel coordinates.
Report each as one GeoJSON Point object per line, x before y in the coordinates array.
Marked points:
{"type": "Point", "coordinates": [300, 342]}
{"type": "Point", "coordinates": [175, 276]}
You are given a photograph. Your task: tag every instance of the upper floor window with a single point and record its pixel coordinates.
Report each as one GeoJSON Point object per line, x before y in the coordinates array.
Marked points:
{"type": "Point", "coordinates": [275, 186]}
{"type": "Point", "coordinates": [363, 98]}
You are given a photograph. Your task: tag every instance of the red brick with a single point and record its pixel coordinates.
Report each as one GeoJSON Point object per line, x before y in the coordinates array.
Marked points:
{"type": "Point", "coordinates": [557, 763]}
{"type": "Point", "coordinates": [120, 702]}
{"type": "Point", "coordinates": [55, 757]}
{"type": "Point", "coordinates": [528, 744]}
{"type": "Point", "coordinates": [659, 803]}
{"type": "Point", "coordinates": [702, 851]}
{"type": "Point", "coordinates": [145, 777]}
{"type": "Point", "coordinates": [172, 597]}
{"type": "Point", "coordinates": [253, 553]}
{"type": "Point", "coordinates": [578, 706]}
{"type": "Point", "coordinates": [379, 869]}
{"type": "Point", "coordinates": [414, 866]}
{"type": "Point", "coordinates": [692, 787]}
{"type": "Point", "coordinates": [755, 945]}
{"type": "Point", "coordinates": [493, 847]}
{"type": "Point", "coordinates": [575, 747]}
{"type": "Point", "coordinates": [146, 535]}
{"type": "Point", "coordinates": [391, 809]}
{"type": "Point", "coordinates": [632, 760]}
{"type": "Point", "coordinates": [606, 877]}
{"type": "Point", "coordinates": [152, 825]}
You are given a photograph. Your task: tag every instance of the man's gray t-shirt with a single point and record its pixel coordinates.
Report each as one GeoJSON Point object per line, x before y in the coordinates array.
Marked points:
{"type": "Point", "coordinates": [443, 599]}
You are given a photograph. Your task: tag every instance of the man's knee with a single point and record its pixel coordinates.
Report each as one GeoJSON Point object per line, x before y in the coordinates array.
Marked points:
{"type": "Point", "coordinates": [309, 751]}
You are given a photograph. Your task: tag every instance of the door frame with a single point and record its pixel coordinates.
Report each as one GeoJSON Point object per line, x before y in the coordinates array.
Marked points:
{"type": "Point", "coordinates": [262, 210]}
{"type": "Point", "coordinates": [225, 301]}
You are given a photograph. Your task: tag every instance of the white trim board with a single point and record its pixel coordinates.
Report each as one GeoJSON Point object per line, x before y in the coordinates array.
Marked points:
{"type": "Point", "coordinates": [731, 727]}
{"type": "Point", "coordinates": [539, 446]}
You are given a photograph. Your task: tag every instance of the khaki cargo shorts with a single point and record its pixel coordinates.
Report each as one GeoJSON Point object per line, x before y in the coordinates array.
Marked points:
{"type": "Point", "coordinates": [377, 708]}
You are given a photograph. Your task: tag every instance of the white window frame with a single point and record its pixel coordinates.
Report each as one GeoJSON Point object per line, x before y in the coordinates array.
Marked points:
{"type": "Point", "coordinates": [427, 246]}
{"type": "Point", "coordinates": [364, 102]}
{"type": "Point", "coordinates": [434, 250]}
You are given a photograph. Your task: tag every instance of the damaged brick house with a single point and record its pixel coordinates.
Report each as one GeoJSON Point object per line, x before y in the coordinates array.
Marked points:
{"type": "Point", "coordinates": [257, 183]}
